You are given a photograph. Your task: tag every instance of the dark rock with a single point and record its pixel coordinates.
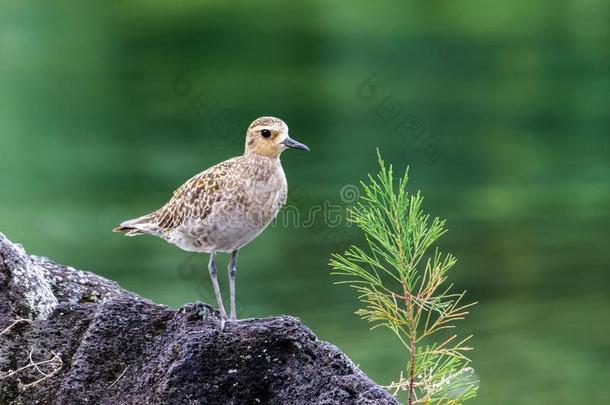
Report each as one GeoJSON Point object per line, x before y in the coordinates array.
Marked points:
{"type": "Point", "coordinates": [100, 344]}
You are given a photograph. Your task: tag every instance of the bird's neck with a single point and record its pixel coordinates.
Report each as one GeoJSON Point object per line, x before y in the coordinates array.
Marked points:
{"type": "Point", "coordinates": [257, 159]}
{"type": "Point", "coordinates": [262, 166]}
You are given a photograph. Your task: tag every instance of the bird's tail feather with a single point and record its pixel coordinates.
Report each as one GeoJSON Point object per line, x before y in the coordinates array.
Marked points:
{"type": "Point", "coordinates": [134, 227]}
{"type": "Point", "coordinates": [128, 231]}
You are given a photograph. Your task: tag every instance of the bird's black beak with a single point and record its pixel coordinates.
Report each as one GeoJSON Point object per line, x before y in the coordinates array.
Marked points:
{"type": "Point", "coordinates": [291, 143]}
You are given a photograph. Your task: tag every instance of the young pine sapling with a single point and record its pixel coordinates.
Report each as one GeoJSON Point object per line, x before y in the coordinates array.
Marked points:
{"type": "Point", "coordinates": [401, 281]}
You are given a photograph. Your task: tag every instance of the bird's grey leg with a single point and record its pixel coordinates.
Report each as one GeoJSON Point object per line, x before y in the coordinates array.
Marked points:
{"type": "Point", "coordinates": [212, 269]}
{"type": "Point", "coordinates": [232, 272]}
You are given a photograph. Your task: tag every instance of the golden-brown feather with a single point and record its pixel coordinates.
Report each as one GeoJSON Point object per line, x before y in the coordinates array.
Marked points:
{"type": "Point", "coordinates": [225, 206]}
{"type": "Point", "coordinates": [195, 198]}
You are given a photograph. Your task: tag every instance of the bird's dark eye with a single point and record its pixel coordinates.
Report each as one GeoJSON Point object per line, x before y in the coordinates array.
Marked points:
{"type": "Point", "coordinates": [265, 133]}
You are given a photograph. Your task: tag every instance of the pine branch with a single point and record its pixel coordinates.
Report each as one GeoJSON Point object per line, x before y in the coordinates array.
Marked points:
{"type": "Point", "coordinates": [401, 280]}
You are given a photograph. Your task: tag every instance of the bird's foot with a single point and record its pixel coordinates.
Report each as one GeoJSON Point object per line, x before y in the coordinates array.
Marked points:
{"type": "Point", "coordinates": [223, 322]}
{"type": "Point", "coordinates": [243, 320]}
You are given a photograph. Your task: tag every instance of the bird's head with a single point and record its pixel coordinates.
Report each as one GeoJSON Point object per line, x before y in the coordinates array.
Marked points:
{"type": "Point", "coordinates": [268, 136]}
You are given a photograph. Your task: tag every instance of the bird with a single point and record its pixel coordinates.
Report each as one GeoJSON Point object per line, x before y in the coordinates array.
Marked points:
{"type": "Point", "coordinates": [225, 207]}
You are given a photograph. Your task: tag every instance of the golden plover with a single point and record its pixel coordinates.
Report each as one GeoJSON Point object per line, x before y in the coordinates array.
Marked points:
{"type": "Point", "coordinates": [226, 206]}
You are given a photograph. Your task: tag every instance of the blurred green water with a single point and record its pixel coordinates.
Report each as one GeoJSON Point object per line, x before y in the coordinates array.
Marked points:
{"type": "Point", "coordinates": [93, 131]}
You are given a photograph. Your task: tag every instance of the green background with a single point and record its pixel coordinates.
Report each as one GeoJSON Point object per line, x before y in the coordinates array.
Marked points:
{"type": "Point", "coordinates": [94, 129]}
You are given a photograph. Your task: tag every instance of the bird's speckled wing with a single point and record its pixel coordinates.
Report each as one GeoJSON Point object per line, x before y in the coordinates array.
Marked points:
{"type": "Point", "coordinates": [195, 198]}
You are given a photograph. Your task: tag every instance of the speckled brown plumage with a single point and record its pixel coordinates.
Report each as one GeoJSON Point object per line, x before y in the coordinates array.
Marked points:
{"type": "Point", "coordinates": [195, 198]}
{"type": "Point", "coordinates": [226, 206]}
